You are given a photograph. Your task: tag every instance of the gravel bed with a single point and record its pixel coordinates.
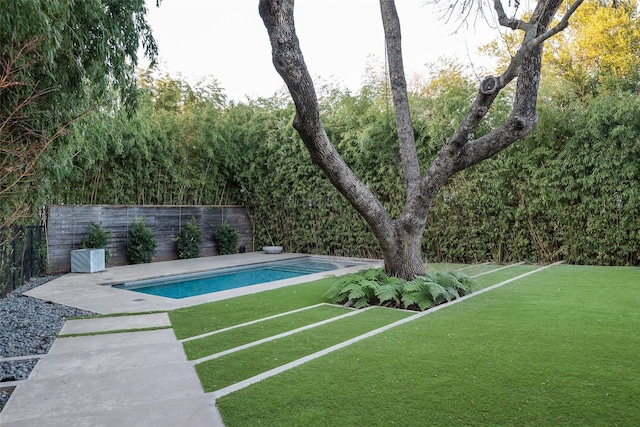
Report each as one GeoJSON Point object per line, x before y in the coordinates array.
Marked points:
{"type": "Point", "coordinates": [28, 326]}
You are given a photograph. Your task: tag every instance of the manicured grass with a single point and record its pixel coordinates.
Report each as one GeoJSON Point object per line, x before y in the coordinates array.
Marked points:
{"type": "Point", "coordinates": [197, 320]}
{"type": "Point", "coordinates": [224, 371]}
{"type": "Point", "coordinates": [236, 337]}
{"type": "Point", "coordinates": [557, 348]}
{"type": "Point", "coordinates": [497, 276]}
{"type": "Point", "coordinates": [444, 266]}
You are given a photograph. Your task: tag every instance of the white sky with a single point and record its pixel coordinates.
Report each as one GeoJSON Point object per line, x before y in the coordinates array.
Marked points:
{"type": "Point", "coordinates": [227, 40]}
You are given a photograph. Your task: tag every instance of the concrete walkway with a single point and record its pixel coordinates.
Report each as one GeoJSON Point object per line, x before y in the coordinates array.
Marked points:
{"type": "Point", "coordinates": [119, 379]}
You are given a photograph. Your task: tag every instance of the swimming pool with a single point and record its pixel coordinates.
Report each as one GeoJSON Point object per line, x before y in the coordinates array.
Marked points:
{"type": "Point", "coordinates": [189, 285]}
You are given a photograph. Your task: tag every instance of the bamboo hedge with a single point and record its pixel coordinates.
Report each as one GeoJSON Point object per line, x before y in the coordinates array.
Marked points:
{"type": "Point", "coordinates": [568, 191]}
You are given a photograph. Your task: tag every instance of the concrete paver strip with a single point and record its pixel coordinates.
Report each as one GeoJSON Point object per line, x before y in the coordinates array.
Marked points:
{"type": "Point", "coordinates": [109, 390]}
{"type": "Point", "coordinates": [103, 324]}
{"type": "Point", "coordinates": [172, 412]}
{"type": "Point", "coordinates": [107, 341]}
{"type": "Point", "coordinates": [134, 378]}
{"type": "Point", "coordinates": [106, 360]}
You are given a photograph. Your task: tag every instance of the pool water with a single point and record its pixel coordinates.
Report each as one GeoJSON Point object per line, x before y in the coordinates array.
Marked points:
{"type": "Point", "coordinates": [190, 285]}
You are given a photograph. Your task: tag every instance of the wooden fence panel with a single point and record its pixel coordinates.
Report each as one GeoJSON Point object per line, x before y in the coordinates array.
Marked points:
{"type": "Point", "coordinates": [67, 226]}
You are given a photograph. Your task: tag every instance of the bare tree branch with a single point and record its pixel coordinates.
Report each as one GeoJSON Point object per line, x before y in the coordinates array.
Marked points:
{"type": "Point", "coordinates": [531, 40]}
{"type": "Point", "coordinates": [514, 24]}
{"type": "Point", "coordinates": [410, 164]}
{"type": "Point", "coordinates": [288, 61]}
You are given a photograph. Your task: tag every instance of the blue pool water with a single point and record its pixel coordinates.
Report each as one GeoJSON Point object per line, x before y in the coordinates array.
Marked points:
{"type": "Point", "coordinates": [190, 285]}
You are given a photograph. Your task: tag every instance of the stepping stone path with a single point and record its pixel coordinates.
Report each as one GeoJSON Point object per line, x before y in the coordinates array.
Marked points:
{"type": "Point", "coordinates": [139, 378]}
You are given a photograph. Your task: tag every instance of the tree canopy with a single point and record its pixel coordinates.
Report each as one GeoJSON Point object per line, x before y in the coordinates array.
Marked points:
{"type": "Point", "coordinates": [61, 59]}
{"type": "Point", "coordinates": [83, 47]}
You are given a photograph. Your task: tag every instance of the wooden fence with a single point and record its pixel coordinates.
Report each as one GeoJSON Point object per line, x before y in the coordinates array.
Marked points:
{"type": "Point", "coordinates": [67, 226]}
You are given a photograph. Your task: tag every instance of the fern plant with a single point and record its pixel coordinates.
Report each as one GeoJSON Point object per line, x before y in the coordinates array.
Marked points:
{"type": "Point", "coordinates": [374, 287]}
{"type": "Point", "coordinates": [433, 289]}
{"type": "Point", "coordinates": [368, 287]}
{"type": "Point", "coordinates": [96, 238]}
{"type": "Point", "coordinates": [423, 293]}
{"type": "Point", "coordinates": [141, 245]}
{"type": "Point", "coordinates": [189, 240]}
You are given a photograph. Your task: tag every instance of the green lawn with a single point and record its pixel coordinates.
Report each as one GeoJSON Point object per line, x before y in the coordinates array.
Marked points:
{"type": "Point", "coordinates": [222, 372]}
{"type": "Point", "coordinates": [556, 348]}
{"type": "Point", "coordinates": [233, 338]}
{"type": "Point", "coordinates": [192, 321]}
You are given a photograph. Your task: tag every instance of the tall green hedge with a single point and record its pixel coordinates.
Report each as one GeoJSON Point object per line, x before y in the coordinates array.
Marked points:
{"type": "Point", "coordinates": [567, 191]}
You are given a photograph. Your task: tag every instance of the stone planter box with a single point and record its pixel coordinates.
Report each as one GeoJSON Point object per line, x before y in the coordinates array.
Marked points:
{"type": "Point", "coordinates": [87, 260]}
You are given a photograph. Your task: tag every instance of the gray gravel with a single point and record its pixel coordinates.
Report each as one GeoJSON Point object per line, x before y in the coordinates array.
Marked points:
{"type": "Point", "coordinates": [28, 326]}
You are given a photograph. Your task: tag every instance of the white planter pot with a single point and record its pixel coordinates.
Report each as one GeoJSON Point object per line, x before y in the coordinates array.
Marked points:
{"type": "Point", "coordinates": [87, 260]}
{"type": "Point", "coordinates": [272, 249]}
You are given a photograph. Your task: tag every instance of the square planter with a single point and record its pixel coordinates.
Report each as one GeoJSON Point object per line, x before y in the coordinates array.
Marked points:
{"type": "Point", "coordinates": [87, 260]}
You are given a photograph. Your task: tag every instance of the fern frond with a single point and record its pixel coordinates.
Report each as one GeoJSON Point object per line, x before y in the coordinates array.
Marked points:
{"type": "Point", "coordinates": [437, 292]}
{"type": "Point", "coordinates": [361, 303]}
{"type": "Point", "coordinates": [425, 304]}
{"type": "Point", "coordinates": [419, 298]}
{"type": "Point", "coordinates": [372, 273]}
{"type": "Point", "coordinates": [389, 292]}
{"type": "Point", "coordinates": [467, 284]}
{"type": "Point", "coordinates": [335, 293]}
{"type": "Point", "coordinates": [447, 280]}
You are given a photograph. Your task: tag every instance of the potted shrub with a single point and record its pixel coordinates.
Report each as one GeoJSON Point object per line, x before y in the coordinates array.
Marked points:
{"type": "Point", "coordinates": [97, 238]}
{"type": "Point", "coordinates": [93, 256]}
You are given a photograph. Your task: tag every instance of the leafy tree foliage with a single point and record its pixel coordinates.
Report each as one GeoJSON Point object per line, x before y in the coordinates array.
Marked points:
{"type": "Point", "coordinates": [84, 48]}
{"type": "Point", "coordinates": [60, 59]}
{"type": "Point", "coordinates": [154, 146]}
{"type": "Point", "coordinates": [566, 191]}
{"type": "Point", "coordinates": [600, 48]}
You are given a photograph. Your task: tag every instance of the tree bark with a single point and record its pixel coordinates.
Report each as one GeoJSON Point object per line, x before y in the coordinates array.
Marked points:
{"type": "Point", "coordinates": [402, 250]}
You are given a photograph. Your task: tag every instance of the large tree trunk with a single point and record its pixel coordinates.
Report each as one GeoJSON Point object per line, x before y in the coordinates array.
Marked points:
{"type": "Point", "coordinates": [402, 250]}
{"type": "Point", "coordinates": [400, 239]}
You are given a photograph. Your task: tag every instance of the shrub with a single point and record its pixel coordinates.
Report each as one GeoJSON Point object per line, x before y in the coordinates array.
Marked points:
{"type": "Point", "coordinates": [141, 246]}
{"type": "Point", "coordinates": [97, 238]}
{"type": "Point", "coordinates": [373, 287]}
{"type": "Point", "coordinates": [226, 239]}
{"type": "Point", "coordinates": [189, 240]}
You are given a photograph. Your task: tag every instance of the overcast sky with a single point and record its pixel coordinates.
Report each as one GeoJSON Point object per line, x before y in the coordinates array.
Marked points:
{"type": "Point", "coordinates": [226, 39]}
